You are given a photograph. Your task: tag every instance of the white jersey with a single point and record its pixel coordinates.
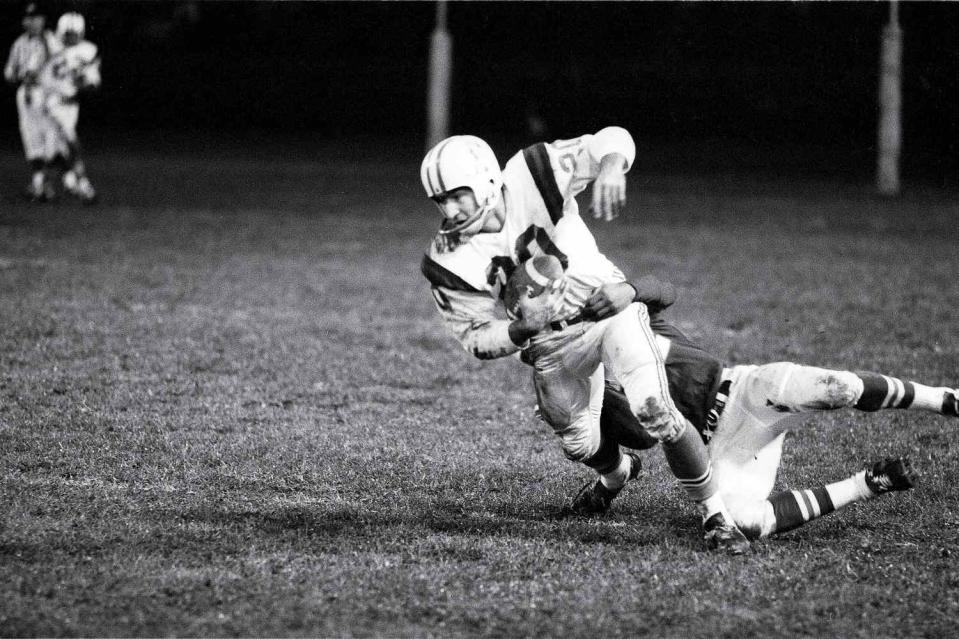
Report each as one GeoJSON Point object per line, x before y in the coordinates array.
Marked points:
{"type": "Point", "coordinates": [71, 69]}
{"type": "Point", "coordinates": [542, 216]}
{"type": "Point", "coordinates": [27, 56]}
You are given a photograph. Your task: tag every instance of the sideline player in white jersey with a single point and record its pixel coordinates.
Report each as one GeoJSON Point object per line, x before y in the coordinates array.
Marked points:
{"type": "Point", "coordinates": [74, 69]}
{"type": "Point", "coordinates": [28, 54]}
{"type": "Point", "coordinates": [494, 220]}
{"type": "Point", "coordinates": [743, 413]}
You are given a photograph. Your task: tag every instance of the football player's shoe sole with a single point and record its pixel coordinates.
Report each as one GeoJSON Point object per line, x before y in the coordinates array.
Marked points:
{"type": "Point", "coordinates": [950, 403]}
{"type": "Point", "coordinates": [891, 475]}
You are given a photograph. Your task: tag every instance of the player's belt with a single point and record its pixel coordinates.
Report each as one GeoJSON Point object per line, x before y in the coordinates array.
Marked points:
{"type": "Point", "coordinates": [719, 405]}
{"type": "Point", "coordinates": [564, 323]}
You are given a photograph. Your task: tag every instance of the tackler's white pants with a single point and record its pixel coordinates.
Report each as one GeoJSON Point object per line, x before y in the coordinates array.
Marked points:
{"type": "Point", "coordinates": [763, 403]}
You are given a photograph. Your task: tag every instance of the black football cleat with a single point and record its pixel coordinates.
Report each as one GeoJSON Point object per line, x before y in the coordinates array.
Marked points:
{"type": "Point", "coordinates": [594, 498]}
{"type": "Point", "coordinates": [725, 536]}
{"type": "Point", "coordinates": [950, 403]}
{"type": "Point", "coordinates": [891, 475]}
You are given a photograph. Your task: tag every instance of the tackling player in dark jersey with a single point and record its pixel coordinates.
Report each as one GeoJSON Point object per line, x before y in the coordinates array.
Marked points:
{"type": "Point", "coordinates": [743, 413]}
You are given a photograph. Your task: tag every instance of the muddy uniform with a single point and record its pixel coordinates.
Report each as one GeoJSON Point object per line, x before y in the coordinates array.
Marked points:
{"type": "Point", "coordinates": [742, 413]}
{"type": "Point", "coordinates": [569, 359]}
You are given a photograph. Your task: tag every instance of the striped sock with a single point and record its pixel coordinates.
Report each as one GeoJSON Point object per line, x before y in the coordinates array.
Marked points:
{"type": "Point", "coordinates": [796, 507]}
{"type": "Point", "coordinates": [689, 461]}
{"type": "Point", "coordinates": [882, 391]}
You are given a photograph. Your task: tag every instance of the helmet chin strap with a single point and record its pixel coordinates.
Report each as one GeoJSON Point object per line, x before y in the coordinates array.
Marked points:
{"type": "Point", "coordinates": [477, 219]}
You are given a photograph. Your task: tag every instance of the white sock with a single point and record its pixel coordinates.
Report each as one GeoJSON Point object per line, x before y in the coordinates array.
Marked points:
{"type": "Point", "coordinates": [849, 490]}
{"type": "Point", "coordinates": [928, 398]}
{"type": "Point", "coordinates": [616, 478]}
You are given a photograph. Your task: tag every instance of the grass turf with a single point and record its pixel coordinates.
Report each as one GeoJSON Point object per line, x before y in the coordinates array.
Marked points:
{"type": "Point", "coordinates": [227, 407]}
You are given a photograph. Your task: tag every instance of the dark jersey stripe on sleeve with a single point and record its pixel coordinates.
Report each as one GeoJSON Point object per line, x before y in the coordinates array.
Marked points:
{"type": "Point", "coordinates": [537, 159]}
{"type": "Point", "coordinates": [440, 276]}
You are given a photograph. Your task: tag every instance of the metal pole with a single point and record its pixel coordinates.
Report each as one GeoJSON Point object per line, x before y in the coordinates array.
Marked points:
{"type": "Point", "coordinates": [889, 143]}
{"type": "Point", "coordinates": [440, 74]}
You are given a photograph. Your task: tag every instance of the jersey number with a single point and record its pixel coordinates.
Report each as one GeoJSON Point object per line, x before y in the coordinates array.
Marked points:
{"type": "Point", "coordinates": [533, 241]}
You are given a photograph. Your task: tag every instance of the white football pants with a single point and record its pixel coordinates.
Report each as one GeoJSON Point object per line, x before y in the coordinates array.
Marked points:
{"type": "Point", "coordinates": [63, 116]}
{"type": "Point", "coordinates": [569, 378]}
{"type": "Point", "coordinates": [763, 403]}
{"type": "Point", "coordinates": [35, 129]}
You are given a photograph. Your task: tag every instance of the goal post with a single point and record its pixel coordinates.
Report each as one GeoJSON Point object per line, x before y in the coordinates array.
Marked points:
{"type": "Point", "coordinates": [440, 74]}
{"type": "Point", "coordinates": [889, 143]}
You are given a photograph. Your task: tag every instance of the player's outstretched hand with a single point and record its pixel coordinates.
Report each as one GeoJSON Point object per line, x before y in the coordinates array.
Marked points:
{"type": "Point", "coordinates": [608, 300]}
{"type": "Point", "coordinates": [609, 189]}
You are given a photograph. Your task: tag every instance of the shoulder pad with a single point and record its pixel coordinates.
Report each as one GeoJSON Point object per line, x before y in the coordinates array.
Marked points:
{"type": "Point", "coordinates": [541, 168]}
{"type": "Point", "coordinates": [87, 49]}
{"type": "Point", "coordinates": [439, 275]}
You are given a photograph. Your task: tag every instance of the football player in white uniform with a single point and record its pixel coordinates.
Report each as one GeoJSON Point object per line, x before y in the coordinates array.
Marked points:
{"type": "Point", "coordinates": [744, 412]}
{"type": "Point", "coordinates": [494, 220]}
{"type": "Point", "coordinates": [74, 69]}
{"type": "Point", "coordinates": [28, 54]}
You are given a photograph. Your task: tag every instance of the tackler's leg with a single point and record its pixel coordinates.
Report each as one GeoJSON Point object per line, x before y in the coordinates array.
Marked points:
{"type": "Point", "coordinates": [618, 423]}
{"type": "Point", "coordinates": [811, 388]}
{"type": "Point", "coordinates": [787, 510]}
{"type": "Point", "coordinates": [631, 353]}
{"type": "Point", "coordinates": [747, 446]}
{"type": "Point", "coordinates": [883, 391]}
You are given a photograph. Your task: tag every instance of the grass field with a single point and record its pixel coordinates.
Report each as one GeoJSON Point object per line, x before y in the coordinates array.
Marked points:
{"type": "Point", "coordinates": [227, 407]}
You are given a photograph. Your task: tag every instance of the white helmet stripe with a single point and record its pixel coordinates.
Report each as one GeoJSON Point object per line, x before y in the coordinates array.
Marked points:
{"type": "Point", "coordinates": [429, 178]}
{"type": "Point", "coordinates": [436, 166]}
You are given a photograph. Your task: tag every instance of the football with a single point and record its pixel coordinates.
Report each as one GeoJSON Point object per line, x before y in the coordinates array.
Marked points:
{"type": "Point", "coordinates": [533, 277]}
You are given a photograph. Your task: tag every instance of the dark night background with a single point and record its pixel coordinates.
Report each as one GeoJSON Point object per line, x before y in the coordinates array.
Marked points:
{"type": "Point", "coordinates": [700, 85]}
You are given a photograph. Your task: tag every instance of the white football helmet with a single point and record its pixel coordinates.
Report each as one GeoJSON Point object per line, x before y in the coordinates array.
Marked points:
{"type": "Point", "coordinates": [463, 161]}
{"type": "Point", "coordinates": [71, 22]}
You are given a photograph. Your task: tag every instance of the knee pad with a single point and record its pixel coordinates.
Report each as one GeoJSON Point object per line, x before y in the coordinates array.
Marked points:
{"type": "Point", "coordinates": [661, 421]}
{"type": "Point", "coordinates": [812, 388]}
{"type": "Point", "coordinates": [580, 445]}
{"type": "Point", "coordinates": [581, 441]}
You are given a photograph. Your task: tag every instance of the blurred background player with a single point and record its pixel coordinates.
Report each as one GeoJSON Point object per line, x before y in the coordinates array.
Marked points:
{"type": "Point", "coordinates": [73, 69]}
{"type": "Point", "coordinates": [28, 55]}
